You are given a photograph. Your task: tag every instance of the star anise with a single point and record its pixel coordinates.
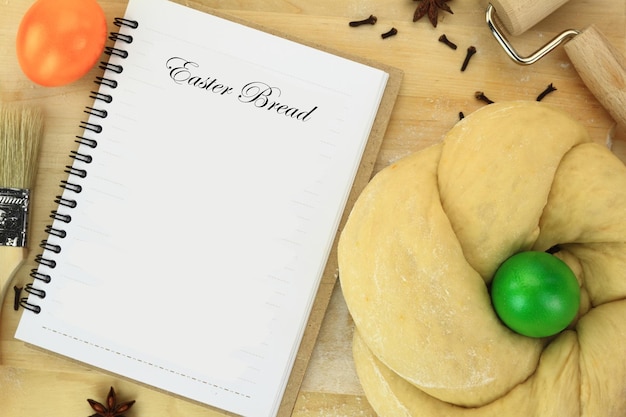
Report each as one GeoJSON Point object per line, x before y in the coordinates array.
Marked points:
{"type": "Point", "coordinates": [431, 8]}
{"type": "Point", "coordinates": [112, 408]}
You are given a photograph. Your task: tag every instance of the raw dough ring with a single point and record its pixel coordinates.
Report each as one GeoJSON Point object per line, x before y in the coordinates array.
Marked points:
{"type": "Point", "coordinates": [424, 239]}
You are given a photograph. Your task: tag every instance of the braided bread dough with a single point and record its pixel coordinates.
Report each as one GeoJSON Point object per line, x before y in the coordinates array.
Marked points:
{"type": "Point", "coordinates": [427, 234]}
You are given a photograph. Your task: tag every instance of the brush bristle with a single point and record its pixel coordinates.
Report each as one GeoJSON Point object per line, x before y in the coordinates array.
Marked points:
{"type": "Point", "coordinates": [21, 130]}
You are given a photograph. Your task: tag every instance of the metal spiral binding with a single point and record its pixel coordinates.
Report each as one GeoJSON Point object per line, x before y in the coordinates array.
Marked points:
{"type": "Point", "coordinates": [120, 21]}
{"type": "Point", "coordinates": [49, 246]}
{"type": "Point", "coordinates": [106, 81]}
{"type": "Point", "coordinates": [41, 277]}
{"type": "Point", "coordinates": [101, 113]}
{"type": "Point", "coordinates": [37, 291]}
{"type": "Point", "coordinates": [65, 218]}
{"type": "Point", "coordinates": [91, 126]}
{"type": "Point", "coordinates": [86, 141]}
{"type": "Point", "coordinates": [82, 157]}
{"type": "Point", "coordinates": [81, 173]}
{"type": "Point", "coordinates": [73, 171]}
{"type": "Point", "coordinates": [107, 66]}
{"type": "Point", "coordinates": [96, 95]}
{"type": "Point", "coordinates": [50, 263]}
{"type": "Point", "coordinates": [66, 202]}
{"type": "Point", "coordinates": [29, 288]}
{"type": "Point", "coordinates": [116, 36]}
{"type": "Point", "coordinates": [77, 188]}
{"type": "Point", "coordinates": [109, 50]}
{"type": "Point", "coordinates": [55, 232]}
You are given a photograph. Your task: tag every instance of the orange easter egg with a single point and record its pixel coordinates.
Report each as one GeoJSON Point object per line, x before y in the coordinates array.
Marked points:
{"type": "Point", "coordinates": [59, 41]}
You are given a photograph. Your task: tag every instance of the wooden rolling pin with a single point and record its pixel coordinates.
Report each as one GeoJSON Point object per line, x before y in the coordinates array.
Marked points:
{"type": "Point", "coordinates": [601, 67]}
{"type": "Point", "coordinates": [519, 16]}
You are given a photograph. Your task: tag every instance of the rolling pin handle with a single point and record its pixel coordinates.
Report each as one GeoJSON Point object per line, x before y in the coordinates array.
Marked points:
{"type": "Point", "coordinates": [499, 35]}
{"type": "Point", "coordinates": [518, 16]}
{"type": "Point", "coordinates": [603, 70]}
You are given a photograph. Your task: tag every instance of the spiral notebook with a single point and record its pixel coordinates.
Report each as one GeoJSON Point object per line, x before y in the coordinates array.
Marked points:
{"type": "Point", "coordinates": [192, 246]}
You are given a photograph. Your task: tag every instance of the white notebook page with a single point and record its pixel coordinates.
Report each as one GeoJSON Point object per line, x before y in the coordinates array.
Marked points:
{"type": "Point", "coordinates": [209, 209]}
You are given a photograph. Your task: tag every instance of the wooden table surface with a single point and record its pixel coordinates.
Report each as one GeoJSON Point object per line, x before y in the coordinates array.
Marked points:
{"type": "Point", "coordinates": [433, 93]}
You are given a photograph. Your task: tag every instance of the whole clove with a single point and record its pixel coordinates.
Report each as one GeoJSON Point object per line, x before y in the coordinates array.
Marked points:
{"type": "Point", "coordinates": [482, 97]}
{"type": "Point", "coordinates": [444, 39]}
{"type": "Point", "coordinates": [470, 52]}
{"type": "Point", "coordinates": [545, 92]}
{"type": "Point", "coordinates": [369, 21]}
{"type": "Point", "coordinates": [391, 32]}
{"type": "Point", "coordinates": [17, 297]}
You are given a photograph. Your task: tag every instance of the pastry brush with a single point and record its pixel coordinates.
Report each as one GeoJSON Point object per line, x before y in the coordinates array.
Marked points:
{"type": "Point", "coordinates": [21, 130]}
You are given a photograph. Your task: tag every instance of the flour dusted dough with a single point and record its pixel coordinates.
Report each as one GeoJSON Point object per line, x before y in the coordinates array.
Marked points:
{"type": "Point", "coordinates": [424, 239]}
{"type": "Point", "coordinates": [552, 391]}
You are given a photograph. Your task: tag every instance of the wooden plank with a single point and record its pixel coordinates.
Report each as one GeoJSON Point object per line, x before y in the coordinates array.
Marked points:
{"type": "Point", "coordinates": [434, 91]}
